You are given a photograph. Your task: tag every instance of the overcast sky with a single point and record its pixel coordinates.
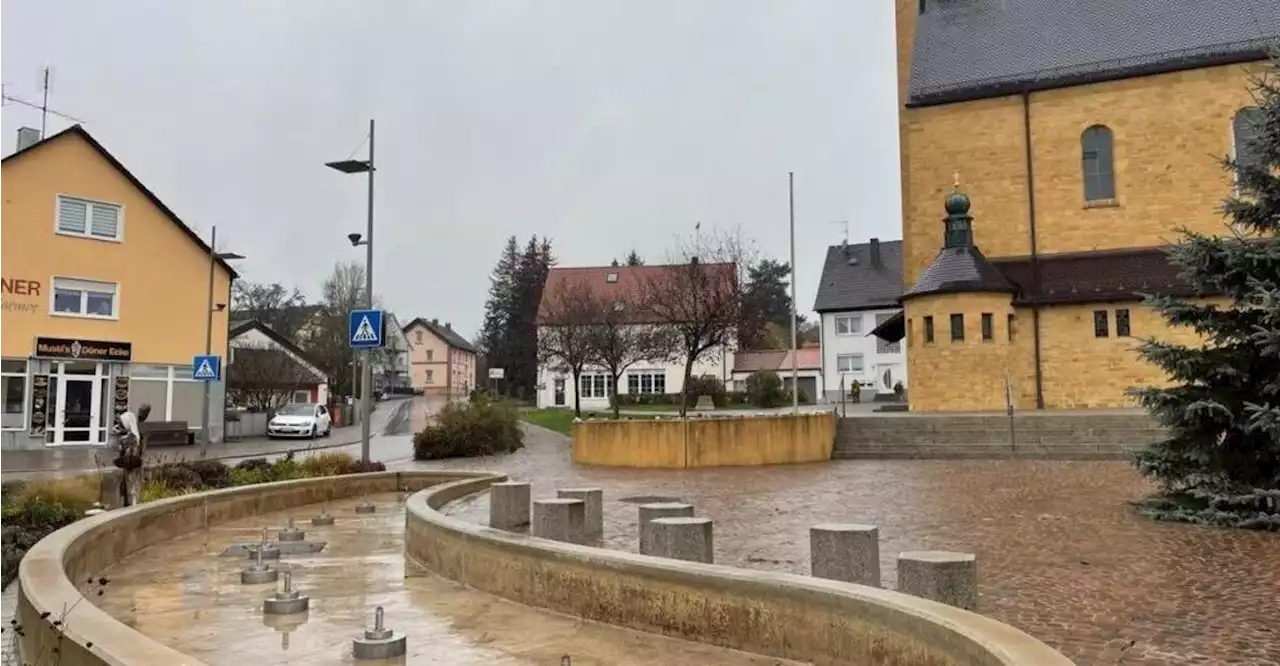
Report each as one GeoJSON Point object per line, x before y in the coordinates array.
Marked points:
{"type": "Point", "coordinates": [604, 124]}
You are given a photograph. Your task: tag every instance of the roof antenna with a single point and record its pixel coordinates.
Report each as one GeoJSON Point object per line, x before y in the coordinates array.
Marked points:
{"type": "Point", "coordinates": [844, 244]}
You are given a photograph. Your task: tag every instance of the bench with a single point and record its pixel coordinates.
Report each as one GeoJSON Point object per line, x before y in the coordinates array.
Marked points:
{"type": "Point", "coordinates": [167, 433]}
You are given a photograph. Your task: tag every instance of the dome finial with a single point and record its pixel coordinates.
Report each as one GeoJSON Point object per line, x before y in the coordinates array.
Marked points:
{"type": "Point", "coordinates": [957, 202]}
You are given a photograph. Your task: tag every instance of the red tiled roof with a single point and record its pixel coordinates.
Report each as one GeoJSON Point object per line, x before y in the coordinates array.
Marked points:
{"type": "Point", "coordinates": [628, 288]}
{"type": "Point", "coordinates": [776, 360]}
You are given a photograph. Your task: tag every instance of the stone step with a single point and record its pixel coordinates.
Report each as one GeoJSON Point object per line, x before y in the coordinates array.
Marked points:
{"type": "Point", "coordinates": [982, 452]}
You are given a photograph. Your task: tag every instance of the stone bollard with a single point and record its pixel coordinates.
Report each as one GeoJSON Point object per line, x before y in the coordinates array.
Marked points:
{"type": "Point", "coordinates": [594, 512]}
{"type": "Point", "coordinates": [683, 539]}
{"type": "Point", "coordinates": [509, 504]}
{"type": "Point", "coordinates": [286, 601]}
{"type": "Point", "coordinates": [951, 578]}
{"type": "Point", "coordinates": [560, 519]}
{"type": "Point", "coordinates": [845, 552]}
{"type": "Point", "coordinates": [379, 642]}
{"type": "Point", "coordinates": [659, 510]}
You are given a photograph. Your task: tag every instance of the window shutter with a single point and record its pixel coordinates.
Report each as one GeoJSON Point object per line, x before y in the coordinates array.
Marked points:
{"type": "Point", "coordinates": [106, 220]}
{"type": "Point", "coordinates": [72, 216]}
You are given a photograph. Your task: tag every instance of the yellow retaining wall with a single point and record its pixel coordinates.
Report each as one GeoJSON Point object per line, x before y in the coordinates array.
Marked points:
{"type": "Point", "coordinates": [706, 442]}
{"type": "Point", "coordinates": [780, 615]}
{"type": "Point", "coordinates": [90, 636]}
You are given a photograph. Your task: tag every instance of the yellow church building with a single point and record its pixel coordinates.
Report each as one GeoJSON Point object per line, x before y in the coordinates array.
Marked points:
{"type": "Point", "coordinates": [1085, 141]}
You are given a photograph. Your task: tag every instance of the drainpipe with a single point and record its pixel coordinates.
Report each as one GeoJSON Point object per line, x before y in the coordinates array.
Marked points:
{"type": "Point", "coordinates": [1035, 257]}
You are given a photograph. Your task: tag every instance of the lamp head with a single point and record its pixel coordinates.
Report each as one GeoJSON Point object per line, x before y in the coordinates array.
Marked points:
{"type": "Point", "coordinates": [354, 238]}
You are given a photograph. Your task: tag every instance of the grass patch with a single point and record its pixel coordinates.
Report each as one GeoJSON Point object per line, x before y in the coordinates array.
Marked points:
{"type": "Point", "coordinates": [561, 420]}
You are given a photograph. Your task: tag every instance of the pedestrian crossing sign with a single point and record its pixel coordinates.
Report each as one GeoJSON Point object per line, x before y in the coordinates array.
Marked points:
{"type": "Point", "coordinates": [365, 328]}
{"type": "Point", "coordinates": [206, 368]}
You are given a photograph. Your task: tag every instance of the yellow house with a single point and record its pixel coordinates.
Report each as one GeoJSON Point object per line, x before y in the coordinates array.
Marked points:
{"type": "Point", "coordinates": [440, 360]}
{"type": "Point", "coordinates": [105, 298]}
{"type": "Point", "coordinates": [1084, 139]}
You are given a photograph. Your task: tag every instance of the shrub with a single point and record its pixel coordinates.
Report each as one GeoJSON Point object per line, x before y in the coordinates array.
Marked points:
{"type": "Point", "coordinates": [156, 490]}
{"type": "Point", "coordinates": [764, 389]}
{"type": "Point", "coordinates": [327, 464]}
{"type": "Point", "coordinates": [17, 540]}
{"type": "Point", "coordinates": [9, 490]}
{"type": "Point", "coordinates": [704, 385]}
{"type": "Point", "coordinates": [247, 476]}
{"type": "Point", "coordinates": [477, 428]}
{"type": "Point", "coordinates": [360, 467]}
{"type": "Point", "coordinates": [286, 468]}
{"type": "Point", "coordinates": [212, 473]}
{"type": "Point", "coordinates": [75, 494]}
{"type": "Point", "coordinates": [173, 475]}
{"type": "Point", "coordinates": [254, 463]}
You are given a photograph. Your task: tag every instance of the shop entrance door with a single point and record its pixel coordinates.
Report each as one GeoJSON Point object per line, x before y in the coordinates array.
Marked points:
{"type": "Point", "coordinates": [79, 389]}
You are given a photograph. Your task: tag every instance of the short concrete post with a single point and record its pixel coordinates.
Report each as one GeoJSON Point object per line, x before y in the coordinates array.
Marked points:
{"type": "Point", "coordinates": [594, 512]}
{"type": "Point", "coordinates": [951, 578]}
{"type": "Point", "coordinates": [659, 510]}
{"type": "Point", "coordinates": [509, 504]}
{"type": "Point", "coordinates": [560, 519]}
{"type": "Point", "coordinates": [845, 552]}
{"type": "Point", "coordinates": [683, 539]}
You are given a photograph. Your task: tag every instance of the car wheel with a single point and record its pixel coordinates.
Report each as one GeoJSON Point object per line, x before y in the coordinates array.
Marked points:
{"type": "Point", "coordinates": [328, 431]}
{"type": "Point", "coordinates": [312, 434]}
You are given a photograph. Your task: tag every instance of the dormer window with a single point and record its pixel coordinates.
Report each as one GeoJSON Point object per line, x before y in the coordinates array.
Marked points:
{"type": "Point", "coordinates": [611, 277]}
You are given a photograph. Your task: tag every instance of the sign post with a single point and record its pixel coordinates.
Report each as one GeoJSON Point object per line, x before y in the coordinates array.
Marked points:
{"type": "Point", "coordinates": [366, 329]}
{"type": "Point", "coordinates": [496, 374]}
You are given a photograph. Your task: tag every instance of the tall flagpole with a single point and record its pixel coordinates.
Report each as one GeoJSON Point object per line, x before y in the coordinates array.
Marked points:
{"type": "Point", "coordinates": [795, 352]}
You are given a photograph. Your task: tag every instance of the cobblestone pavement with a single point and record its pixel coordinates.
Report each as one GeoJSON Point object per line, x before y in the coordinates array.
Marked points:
{"type": "Point", "coordinates": [1061, 553]}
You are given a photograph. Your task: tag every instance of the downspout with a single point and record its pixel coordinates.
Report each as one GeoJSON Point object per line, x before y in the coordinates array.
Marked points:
{"type": "Point", "coordinates": [1035, 257]}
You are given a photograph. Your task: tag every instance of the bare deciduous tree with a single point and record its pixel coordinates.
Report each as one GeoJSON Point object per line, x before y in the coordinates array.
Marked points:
{"type": "Point", "coordinates": [263, 379]}
{"type": "Point", "coordinates": [620, 337]}
{"type": "Point", "coordinates": [564, 330]}
{"type": "Point", "coordinates": [699, 298]}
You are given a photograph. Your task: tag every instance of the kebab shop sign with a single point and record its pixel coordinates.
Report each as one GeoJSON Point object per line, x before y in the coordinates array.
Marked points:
{"type": "Point", "coordinates": [19, 295]}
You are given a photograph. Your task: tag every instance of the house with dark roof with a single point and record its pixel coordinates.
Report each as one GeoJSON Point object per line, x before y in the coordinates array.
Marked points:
{"type": "Point", "coordinates": [441, 361]}
{"type": "Point", "coordinates": [1086, 134]}
{"type": "Point", "coordinates": [105, 298]}
{"type": "Point", "coordinates": [623, 288]}
{"type": "Point", "coordinates": [266, 370]}
{"type": "Point", "coordinates": [858, 291]}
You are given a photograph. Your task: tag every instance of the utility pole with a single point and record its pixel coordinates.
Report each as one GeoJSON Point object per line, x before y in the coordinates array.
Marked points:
{"type": "Point", "coordinates": [366, 396]}
{"type": "Point", "coordinates": [795, 352]}
{"type": "Point", "coordinates": [208, 344]}
{"type": "Point", "coordinates": [44, 104]}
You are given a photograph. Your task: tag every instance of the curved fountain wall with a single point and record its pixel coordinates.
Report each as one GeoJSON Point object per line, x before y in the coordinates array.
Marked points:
{"type": "Point", "coordinates": [781, 615]}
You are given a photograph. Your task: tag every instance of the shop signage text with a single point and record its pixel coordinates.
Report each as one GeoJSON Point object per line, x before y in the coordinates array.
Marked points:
{"type": "Point", "coordinates": [97, 350]}
{"type": "Point", "coordinates": [19, 287]}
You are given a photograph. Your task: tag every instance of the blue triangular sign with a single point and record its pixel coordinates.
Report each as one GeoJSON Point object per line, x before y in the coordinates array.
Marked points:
{"type": "Point", "coordinates": [364, 332]}
{"type": "Point", "coordinates": [205, 371]}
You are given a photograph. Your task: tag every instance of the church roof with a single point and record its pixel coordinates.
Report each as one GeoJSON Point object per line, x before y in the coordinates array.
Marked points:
{"type": "Point", "coordinates": [973, 49]}
{"type": "Point", "coordinates": [960, 269]}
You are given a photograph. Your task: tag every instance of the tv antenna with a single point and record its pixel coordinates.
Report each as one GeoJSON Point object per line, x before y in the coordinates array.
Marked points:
{"type": "Point", "coordinates": [42, 107]}
{"type": "Point", "coordinates": [845, 224]}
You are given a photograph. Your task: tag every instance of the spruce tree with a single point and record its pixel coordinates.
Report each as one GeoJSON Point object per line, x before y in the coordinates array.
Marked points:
{"type": "Point", "coordinates": [1221, 461]}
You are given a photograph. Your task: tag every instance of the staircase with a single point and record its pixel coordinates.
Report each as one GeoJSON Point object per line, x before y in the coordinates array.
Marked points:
{"type": "Point", "coordinates": [1048, 435]}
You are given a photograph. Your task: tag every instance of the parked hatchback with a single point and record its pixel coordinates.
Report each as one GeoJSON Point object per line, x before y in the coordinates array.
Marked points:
{"type": "Point", "coordinates": [302, 420]}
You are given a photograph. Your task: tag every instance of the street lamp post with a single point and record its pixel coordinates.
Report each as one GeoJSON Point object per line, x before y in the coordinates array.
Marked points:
{"type": "Point", "coordinates": [214, 256]}
{"type": "Point", "coordinates": [366, 390]}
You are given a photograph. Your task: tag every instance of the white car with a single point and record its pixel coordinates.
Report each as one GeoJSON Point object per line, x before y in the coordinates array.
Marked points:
{"type": "Point", "coordinates": [305, 420]}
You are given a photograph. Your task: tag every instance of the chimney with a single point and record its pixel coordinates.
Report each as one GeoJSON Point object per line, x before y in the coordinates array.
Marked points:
{"type": "Point", "coordinates": [435, 321]}
{"type": "Point", "coordinates": [448, 326]}
{"type": "Point", "coordinates": [27, 137]}
{"type": "Point", "coordinates": [875, 254]}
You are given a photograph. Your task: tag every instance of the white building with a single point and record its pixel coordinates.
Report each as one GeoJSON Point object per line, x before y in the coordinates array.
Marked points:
{"type": "Point", "coordinates": [391, 363]}
{"type": "Point", "coordinates": [619, 285]}
{"type": "Point", "coordinates": [859, 291]}
{"type": "Point", "coordinates": [303, 380]}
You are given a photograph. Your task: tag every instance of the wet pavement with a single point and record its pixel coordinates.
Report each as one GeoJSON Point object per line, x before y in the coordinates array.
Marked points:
{"type": "Point", "coordinates": [199, 607]}
{"type": "Point", "coordinates": [1062, 554]}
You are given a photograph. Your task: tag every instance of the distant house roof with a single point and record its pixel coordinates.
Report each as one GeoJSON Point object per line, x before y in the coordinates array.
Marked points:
{"type": "Point", "coordinates": [444, 332]}
{"type": "Point", "coordinates": [851, 280]}
{"type": "Point", "coordinates": [240, 328]}
{"type": "Point", "coordinates": [971, 49]}
{"type": "Point", "coordinates": [299, 315]}
{"type": "Point", "coordinates": [776, 360]}
{"type": "Point", "coordinates": [616, 284]}
{"type": "Point", "coordinates": [76, 130]}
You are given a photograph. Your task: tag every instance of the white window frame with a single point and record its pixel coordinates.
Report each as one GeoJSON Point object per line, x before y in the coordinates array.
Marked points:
{"type": "Point", "coordinates": [26, 391]}
{"type": "Point", "coordinates": [587, 379]}
{"type": "Point", "coordinates": [653, 376]}
{"type": "Point", "coordinates": [306, 397]}
{"type": "Point", "coordinates": [170, 379]}
{"type": "Point", "coordinates": [860, 371]}
{"type": "Point", "coordinates": [88, 218]}
{"type": "Point", "coordinates": [855, 324]}
{"type": "Point", "coordinates": [84, 286]}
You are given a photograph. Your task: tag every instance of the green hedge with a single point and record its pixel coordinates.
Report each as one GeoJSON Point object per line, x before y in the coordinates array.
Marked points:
{"type": "Point", "coordinates": [480, 427]}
